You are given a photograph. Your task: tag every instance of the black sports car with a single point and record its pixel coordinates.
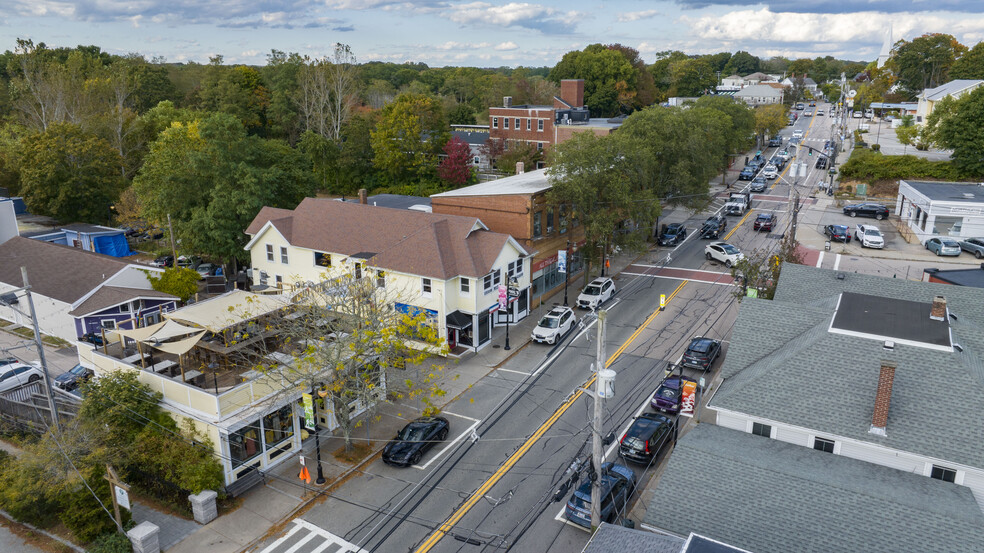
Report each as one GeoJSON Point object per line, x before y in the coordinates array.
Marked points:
{"type": "Point", "coordinates": [414, 440]}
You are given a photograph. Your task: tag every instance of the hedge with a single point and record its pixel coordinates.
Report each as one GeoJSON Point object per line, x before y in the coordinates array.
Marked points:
{"type": "Point", "coordinates": [869, 165]}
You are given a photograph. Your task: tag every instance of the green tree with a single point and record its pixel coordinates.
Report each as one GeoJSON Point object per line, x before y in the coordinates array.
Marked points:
{"type": "Point", "coordinates": [238, 91]}
{"type": "Point", "coordinates": [213, 178]}
{"type": "Point", "coordinates": [961, 128]}
{"type": "Point", "coordinates": [926, 61]}
{"type": "Point", "coordinates": [738, 127]}
{"type": "Point", "coordinates": [970, 65]}
{"type": "Point", "coordinates": [741, 63]}
{"type": "Point", "coordinates": [770, 119]}
{"type": "Point", "coordinates": [70, 175]}
{"type": "Point", "coordinates": [644, 94]}
{"type": "Point", "coordinates": [407, 139]}
{"type": "Point", "coordinates": [660, 70]}
{"type": "Point", "coordinates": [602, 69]}
{"type": "Point", "coordinates": [461, 114]}
{"type": "Point", "coordinates": [601, 179]}
{"type": "Point", "coordinates": [518, 152]}
{"type": "Point", "coordinates": [177, 281]}
{"type": "Point", "coordinates": [691, 77]}
{"type": "Point", "coordinates": [760, 269]}
{"type": "Point", "coordinates": [906, 133]}
{"type": "Point", "coordinates": [282, 72]}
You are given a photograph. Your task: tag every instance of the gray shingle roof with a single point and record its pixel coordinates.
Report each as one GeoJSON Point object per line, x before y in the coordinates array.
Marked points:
{"type": "Point", "coordinates": [610, 538]}
{"type": "Point", "coordinates": [783, 365]}
{"type": "Point", "coordinates": [769, 496]}
{"type": "Point", "coordinates": [56, 271]}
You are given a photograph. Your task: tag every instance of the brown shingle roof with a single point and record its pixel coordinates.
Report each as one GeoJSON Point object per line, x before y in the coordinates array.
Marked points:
{"type": "Point", "coordinates": [56, 271]}
{"type": "Point", "coordinates": [413, 242]}
{"type": "Point", "coordinates": [109, 296]}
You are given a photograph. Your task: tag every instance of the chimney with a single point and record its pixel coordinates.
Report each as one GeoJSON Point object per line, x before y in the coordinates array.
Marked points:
{"type": "Point", "coordinates": [938, 312]}
{"type": "Point", "coordinates": [363, 198]}
{"type": "Point", "coordinates": [572, 92]}
{"type": "Point", "coordinates": [507, 101]}
{"type": "Point", "coordinates": [520, 168]}
{"type": "Point", "coordinates": [883, 398]}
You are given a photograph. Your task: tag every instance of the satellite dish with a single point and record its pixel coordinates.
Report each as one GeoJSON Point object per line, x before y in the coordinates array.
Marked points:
{"type": "Point", "coordinates": [852, 94]}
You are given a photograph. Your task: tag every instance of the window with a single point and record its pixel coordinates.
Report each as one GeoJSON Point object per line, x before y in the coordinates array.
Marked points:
{"type": "Point", "coordinates": [517, 123]}
{"type": "Point", "coordinates": [465, 286]}
{"type": "Point", "coordinates": [492, 281]}
{"type": "Point", "coordinates": [529, 124]}
{"type": "Point", "coordinates": [495, 122]}
{"type": "Point", "coordinates": [549, 220]}
{"type": "Point", "coordinates": [152, 318]}
{"type": "Point", "coordinates": [283, 255]}
{"type": "Point", "coordinates": [476, 160]}
{"type": "Point", "coordinates": [425, 286]}
{"type": "Point", "coordinates": [760, 429]}
{"type": "Point", "coordinates": [539, 146]}
{"type": "Point", "coordinates": [380, 279]}
{"type": "Point", "coordinates": [515, 268]}
{"type": "Point", "coordinates": [322, 259]}
{"type": "Point", "coordinates": [539, 125]}
{"type": "Point", "coordinates": [943, 473]}
{"type": "Point", "coordinates": [280, 281]}
{"type": "Point", "coordinates": [505, 123]}
{"type": "Point", "coordinates": [826, 446]}
{"type": "Point", "coordinates": [245, 444]}
{"type": "Point", "coordinates": [269, 248]}
{"type": "Point", "coordinates": [278, 426]}
{"type": "Point", "coordinates": [536, 224]}
{"type": "Point", "coordinates": [107, 324]}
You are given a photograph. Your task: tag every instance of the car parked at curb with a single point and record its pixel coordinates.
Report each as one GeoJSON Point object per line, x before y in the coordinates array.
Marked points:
{"type": "Point", "coordinates": [646, 437]}
{"type": "Point", "coordinates": [764, 221]}
{"type": "Point", "coordinates": [839, 233]}
{"type": "Point", "coordinates": [74, 378]}
{"type": "Point", "coordinates": [747, 173]}
{"type": "Point", "coordinates": [673, 234]}
{"type": "Point", "coordinates": [943, 246]}
{"type": "Point", "coordinates": [974, 246]}
{"type": "Point", "coordinates": [597, 292]}
{"type": "Point", "coordinates": [668, 396]}
{"type": "Point", "coordinates": [723, 252]}
{"type": "Point", "coordinates": [18, 374]}
{"type": "Point", "coordinates": [617, 483]}
{"type": "Point", "coordinates": [206, 270]}
{"type": "Point", "coordinates": [869, 236]}
{"type": "Point", "coordinates": [92, 337]}
{"type": "Point", "coordinates": [701, 353]}
{"type": "Point", "coordinates": [878, 211]}
{"type": "Point", "coordinates": [415, 439]}
{"type": "Point", "coordinates": [163, 261]}
{"type": "Point", "coordinates": [554, 325]}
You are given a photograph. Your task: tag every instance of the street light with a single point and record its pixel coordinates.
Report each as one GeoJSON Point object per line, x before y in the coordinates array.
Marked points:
{"type": "Point", "coordinates": [322, 392]}
{"type": "Point", "coordinates": [567, 271]}
{"type": "Point", "coordinates": [512, 292]}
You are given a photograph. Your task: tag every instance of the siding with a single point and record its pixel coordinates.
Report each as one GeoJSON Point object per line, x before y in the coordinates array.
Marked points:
{"type": "Point", "coordinates": [896, 460]}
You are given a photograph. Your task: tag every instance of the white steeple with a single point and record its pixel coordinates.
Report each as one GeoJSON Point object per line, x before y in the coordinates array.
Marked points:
{"type": "Point", "coordinates": [886, 49]}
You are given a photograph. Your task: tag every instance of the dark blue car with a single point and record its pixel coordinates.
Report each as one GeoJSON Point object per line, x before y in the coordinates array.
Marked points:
{"type": "Point", "coordinates": [617, 484]}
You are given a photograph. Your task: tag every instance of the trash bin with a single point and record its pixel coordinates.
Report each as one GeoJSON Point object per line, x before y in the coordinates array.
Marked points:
{"type": "Point", "coordinates": [826, 245]}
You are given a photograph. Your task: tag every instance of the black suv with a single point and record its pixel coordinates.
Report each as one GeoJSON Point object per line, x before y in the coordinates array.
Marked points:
{"type": "Point", "coordinates": [714, 227]}
{"type": "Point", "coordinates": [775, 142]}
{"type": "Point", "coordinates": [747, 173]}
{"type": "Point", "coordinates": [672, 234]}
{"type": "Point", "coordinates": [646, 437]}
{"type": "Point", "coordinates": [701, 353]}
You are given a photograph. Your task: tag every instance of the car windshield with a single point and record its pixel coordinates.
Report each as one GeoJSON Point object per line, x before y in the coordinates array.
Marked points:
{"type": "Point", "coordinates": [78, 370]}
{"type": "Point", "coordinates": [549, 322]}
{"type": "Point", "coordinates": [412, 434]}
{"type": "Point", "coordinates": [871, 232]}
{"type": "Point", "coordinates": [729, 249]}
{"type": "Point", "coordinates": [671, 231]}
{"type": "Point", "coordinates": [592, 291]}
{"type": "Point", "coordinates": [838, 229]}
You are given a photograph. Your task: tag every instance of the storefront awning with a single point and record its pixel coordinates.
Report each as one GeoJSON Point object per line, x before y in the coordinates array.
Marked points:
{"type": "Point", "coordinates": [459, 321]}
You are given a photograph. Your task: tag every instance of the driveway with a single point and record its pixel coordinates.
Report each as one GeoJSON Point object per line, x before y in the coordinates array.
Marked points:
{"type": "Point", "coordinates": [59, 360]}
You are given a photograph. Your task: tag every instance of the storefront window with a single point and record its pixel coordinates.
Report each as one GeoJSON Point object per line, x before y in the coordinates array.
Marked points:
{"type": "Point", "coordinates": [245, 444]}
{"type": "Point", "coordinates": [278, 426]}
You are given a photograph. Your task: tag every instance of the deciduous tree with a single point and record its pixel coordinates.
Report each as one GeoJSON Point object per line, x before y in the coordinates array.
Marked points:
{"type": "Point", "coordinates": [602, 68]}
{"type": "Point", "coordinates": [456, 167]}
{"type": "Point", "coordinates": [407, 139]}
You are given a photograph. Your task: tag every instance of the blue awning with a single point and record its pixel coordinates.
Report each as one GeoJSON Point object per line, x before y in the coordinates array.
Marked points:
{"type": "Point", "coordinates": [413, 310]}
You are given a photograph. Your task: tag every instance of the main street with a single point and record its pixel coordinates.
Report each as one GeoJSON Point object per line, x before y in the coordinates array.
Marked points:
{"type": "Point", "coordinates": [516, 431]}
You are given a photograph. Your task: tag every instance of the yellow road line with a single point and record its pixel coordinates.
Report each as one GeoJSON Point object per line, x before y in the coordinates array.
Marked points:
{"type": "Point", "coordinates": [475, 497]}
{"type": "Point", "coordinates": [726, 236]}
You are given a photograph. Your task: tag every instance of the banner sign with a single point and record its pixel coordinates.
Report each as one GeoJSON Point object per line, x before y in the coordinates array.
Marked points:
{"type": "Point", "coordinates": [503, 296]}
{"type": "Point", "coordinates": [122, 497]}
{"type": "Point", "coordinates": [562, 261]}
{"type": "Point", "coordinates": [688, 398]}
{"type": "Point", "coordinates": [308, 411]}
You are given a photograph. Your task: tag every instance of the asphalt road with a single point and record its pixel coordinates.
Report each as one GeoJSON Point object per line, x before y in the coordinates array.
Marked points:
{"type": "Point", "coordinates": [517, 431]}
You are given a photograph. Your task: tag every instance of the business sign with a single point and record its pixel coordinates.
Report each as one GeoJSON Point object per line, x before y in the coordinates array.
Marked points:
{"type": "Point", "coordinates": [561, 261]}
{"type": "Point", "coordinates": [688, 398]}
{"type": "Point", "coordinates": [503, 296]}
{"type": "Point", "coordinates": [308, 411]}
{"type": "Point", "coordinates": [122, 497]}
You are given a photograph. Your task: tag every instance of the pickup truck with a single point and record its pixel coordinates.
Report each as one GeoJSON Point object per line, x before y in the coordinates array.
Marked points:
{"type": "Point", "coordinates": [737, 203]}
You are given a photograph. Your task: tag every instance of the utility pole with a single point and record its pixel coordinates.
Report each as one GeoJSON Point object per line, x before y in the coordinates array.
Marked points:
{"type": "Point", "coordinates": [596, 423]}
{"type": "Point", "coordinates": [44, 363]}
{"type": "Point", "coordinates": [567, 269]}
{"type": "Point", "coordinates": [170, 232]}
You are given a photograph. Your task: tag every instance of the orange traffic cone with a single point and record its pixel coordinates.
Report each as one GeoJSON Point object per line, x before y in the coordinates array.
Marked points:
{"type": "Point", "coordinates": [305, 475]}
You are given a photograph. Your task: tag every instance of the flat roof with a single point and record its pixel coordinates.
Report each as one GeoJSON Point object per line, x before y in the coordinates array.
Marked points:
{"type": "Point", "coordinates": [889, 319]}
{"type": "Point", "coordinates": [966, 192]}
{"type": "Point", "coordinates": [960, 277]}
{"type": "Point", "coordinates": [527, 183]}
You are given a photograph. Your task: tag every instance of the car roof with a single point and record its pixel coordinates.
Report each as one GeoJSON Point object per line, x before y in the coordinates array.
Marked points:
{"type": "Point", "coordinates": [599, 281]}
{"type": "Point", "coordinates": [558, 311]}
{"type": "Point", "coordinates": [838, 226]}
{"type": "Point", "coordinates": [717, 243]}
{"type": "Point", "coordinates": [701, 340]}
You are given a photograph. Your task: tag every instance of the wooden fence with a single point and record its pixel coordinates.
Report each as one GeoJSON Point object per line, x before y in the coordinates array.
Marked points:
{"type": "Point", "coordinates": [26, 408]}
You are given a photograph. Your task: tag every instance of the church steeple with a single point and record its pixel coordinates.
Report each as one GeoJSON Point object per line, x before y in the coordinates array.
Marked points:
{"type": "Point", "coordinates": [886, 49]}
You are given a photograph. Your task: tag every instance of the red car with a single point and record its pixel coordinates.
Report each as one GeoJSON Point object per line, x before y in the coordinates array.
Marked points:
{"type": "Point", "coordinates": [765, 221]}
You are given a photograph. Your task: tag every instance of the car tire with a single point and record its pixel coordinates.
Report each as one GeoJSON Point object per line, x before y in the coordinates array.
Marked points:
{"type": "Point", "coordinates": [939, 253]}
{"type": "Point", "coordinates": [853, 213]}
{"type": "Point", "coordinates": [707, 255]}
{"type": "Point", "coordinates": [977, 254]}
{"type": "Point", "coordinates": [33, 378]}
{"type": "Point", "coordinates": [415, 458]}
{"type": "Point", "coordinates": [727, 263]}
{"type": "Point", "coordinates": [879, 216]}
{"type": "Point", "coordinates": [443, 435]}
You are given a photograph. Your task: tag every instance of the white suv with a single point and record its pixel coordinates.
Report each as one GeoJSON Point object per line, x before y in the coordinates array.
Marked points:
{"type": "Point", "coordinates": [596, 293]}
{"type": "Point", "coordinates": [869, 236]}
{"type": "Point", "coordinates": [797, 134]}
{"type": "Point", "coordinates": [723, 252]}
{"type": "Point", "coordinates": [554, 325]}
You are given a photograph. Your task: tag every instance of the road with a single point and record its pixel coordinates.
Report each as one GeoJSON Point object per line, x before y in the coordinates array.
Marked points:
{"type": "Point", "coordinates": [517, 430]}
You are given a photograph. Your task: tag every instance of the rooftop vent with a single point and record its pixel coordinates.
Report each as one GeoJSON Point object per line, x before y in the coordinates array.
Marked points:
{"type": "Point", "coordinates": [841, 276]}
{"type": "Point", "coordinates": [507, 101]}
{"type": "Point", "coordinates": [889, 345]}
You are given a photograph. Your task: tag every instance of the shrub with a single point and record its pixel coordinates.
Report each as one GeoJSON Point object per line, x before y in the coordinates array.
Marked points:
{"type": "Point", "coordinates": [870, 165]}
{"type": "Point", "coordinates": [111, 543]}
{"type": "Point", "coordinates": [876, 147]}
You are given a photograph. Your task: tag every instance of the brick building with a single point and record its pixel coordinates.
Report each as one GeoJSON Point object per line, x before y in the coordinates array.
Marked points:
{"type": "Point", "coordinates": [547, 125]}
{"type": "Point", "coordinates": [517, 206]}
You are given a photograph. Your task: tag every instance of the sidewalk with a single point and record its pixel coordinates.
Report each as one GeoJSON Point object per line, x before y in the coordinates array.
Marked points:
{"type": "Point", "coordinates": [284, 496]}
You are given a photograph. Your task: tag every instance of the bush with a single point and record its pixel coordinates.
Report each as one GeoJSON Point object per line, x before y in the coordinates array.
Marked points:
{"type": "Point", "coordinates": [111, 543]}
{"type": "Point", "coordinates": [876, 147]}
{"type": "Point", "coordinates": [870, 166]}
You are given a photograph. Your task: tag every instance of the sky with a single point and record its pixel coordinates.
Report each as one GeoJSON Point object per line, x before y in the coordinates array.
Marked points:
{"type": "Point", "coordinates": [481, 33]}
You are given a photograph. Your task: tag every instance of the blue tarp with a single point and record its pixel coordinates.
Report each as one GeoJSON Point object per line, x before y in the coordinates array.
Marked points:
{"type": "Point", "coordinates": [114, 245]}
{"type": "Point", "coordinates": [413, 310]}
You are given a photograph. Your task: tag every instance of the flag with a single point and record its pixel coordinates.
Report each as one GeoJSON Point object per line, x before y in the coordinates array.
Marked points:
{"type": "Point", "coordinates": [305, 475]}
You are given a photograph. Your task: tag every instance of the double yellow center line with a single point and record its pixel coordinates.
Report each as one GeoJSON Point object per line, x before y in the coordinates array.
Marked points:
{"type": "Point", "coordinates": [474, 498]}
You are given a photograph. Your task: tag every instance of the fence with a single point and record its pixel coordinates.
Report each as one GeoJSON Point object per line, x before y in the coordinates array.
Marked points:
{"type": "Point", "coordinates": [26, 408]}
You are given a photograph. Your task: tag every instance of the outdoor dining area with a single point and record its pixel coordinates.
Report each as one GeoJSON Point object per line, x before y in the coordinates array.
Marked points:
{"type": "Point", "coordinates": [214, 345]}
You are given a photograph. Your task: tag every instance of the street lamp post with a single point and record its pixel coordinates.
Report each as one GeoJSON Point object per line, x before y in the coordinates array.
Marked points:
{"type": "Point", "coordinates": [567, 271]}
{"type": "Point", "coordinates": [322, 393]}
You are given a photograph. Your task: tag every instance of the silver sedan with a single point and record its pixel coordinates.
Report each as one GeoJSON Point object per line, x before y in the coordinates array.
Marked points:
{"type": "Point", "coordinates": [974, 246]}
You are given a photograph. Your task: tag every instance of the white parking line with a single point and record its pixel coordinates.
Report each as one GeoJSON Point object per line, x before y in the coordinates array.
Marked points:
{"type": "Point", "coordinates": [820, 260]}
{"type": "Point", "coordinates": [512, 371]}
{"type": "Point", "coordinates": [468, 431]}
{"type": "Point", "coordinates": [837, 262]}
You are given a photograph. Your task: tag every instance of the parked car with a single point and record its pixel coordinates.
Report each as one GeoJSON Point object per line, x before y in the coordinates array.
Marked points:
{"type": "Point", "coordinates": [617, 484]}
{"type": "Point", "coordinates": [672, 234]}
{"type": "Point", "coordinates": [207, 269]}
{"type": "Point", "coordinates": [189, 262]}
{"type": "Point", "coordinates": [877, 211]}
{"type": "Point", "coordinates": [4, 361]}
{"type": "Point", "coordinates": [597, 292]}
{"type": "Point", "coordinates": [646, 437]}
{"type": "Point", "coordinates": [723, 252]}
{"type": "Point", "coordinates": [93, 338]}
{"type": "Point", "coordinates": [857, 114]}
{"type": "Point", "coordinates": [869, 236]}
{"type": "Point", "coordinates": [837, 232]}
{"type": "Point", "coordinates": [764, 221]}
{"type": "Point", "coordinates": [974, 246]}
{"type": "Point", "coordinates": [18, 374]}
{"type": "Point", "coordinates": [775, 142]}
{"type": "Point", "coordinates": [414, 440]}
{"type": "Point", "coordinates": [747, 173]}
{"type": "Point", "coordinates": [554, 325]}
{"type": "Point", "coordinates": [714, 227]}
{"type": "Point", "coordinates": [759, 184]}
{"type": "Point", "coordinates": [153, 234]}
{"type": "Point", "coordinates": [701, 353]}
{"type": "Point", "coordinates": [943, 246]}
{"type": "Point", "coordinates": [667, 396]}
{"type": "Point", "coordinates": [163, 261]}
{"type": "Point", "coordinates": [73, 378]}
{"type": "Point", "coordinates": [770, 172]}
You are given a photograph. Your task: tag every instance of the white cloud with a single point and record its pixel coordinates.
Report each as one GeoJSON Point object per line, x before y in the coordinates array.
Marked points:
{"type": "Point", "coordinates": [451, 45]}
{"type": "Point", "coordinates": [506, 46]}
{"type": "Point", "coordinates": [636, 16]}
{"type": "Point", "coordinates": [513, 14]}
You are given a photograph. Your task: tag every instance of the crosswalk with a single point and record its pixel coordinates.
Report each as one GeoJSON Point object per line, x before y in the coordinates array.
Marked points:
{"type": "Point", "coordinates": [305, 537]}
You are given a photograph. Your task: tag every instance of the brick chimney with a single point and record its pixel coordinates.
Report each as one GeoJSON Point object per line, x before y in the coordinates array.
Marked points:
{"type": "Point", "coordinates": [938, 312]}
{"type": "Point", "coordinates": [883, 398]}
{"type": "Point", "coordinates": [520, 168]}
{"type": "Point", "coordinates": [572, 92]}
{"type": "Point", "coordinates": [363, 197]}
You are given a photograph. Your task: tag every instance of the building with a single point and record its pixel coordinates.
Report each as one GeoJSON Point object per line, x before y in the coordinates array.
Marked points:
{"type": "Point", "coordinates": [957, 277]}
{"type": "Point", "coordinates": [927, 209]}
{"type": "Point", "coordinates": [395, 201]}
{"type": "Point", "coordinates": [448, 267]}
{"type": "Point", "coordinates": [91, 238]}
{"type": "Point", "coordinates": [517, 206]}
{"type": "Point", "coordinates": [954, 89]}
{"type": "Point", "coordinates": [757, 78]}
{"type": "Point", "coordinates": [886, 50]}
{"type": "Point", "coordinates": [792, 81]}
{"type": "Point", "coordinates": [611, 538]}
{"type": "Point", "coordinates": [545, 126]}
{"type": "Point", "coordinates": [475, 141]}
{"type": "Point", "coordinates": [760, 94]}
{"type": "Point", "coordinates": [78, 292]}
{"type": "Point", "coordinates": [733, 82]}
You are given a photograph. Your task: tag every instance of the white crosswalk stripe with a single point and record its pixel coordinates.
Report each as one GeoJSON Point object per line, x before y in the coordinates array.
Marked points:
{"type": "Point", "coordinates": [313, 539]}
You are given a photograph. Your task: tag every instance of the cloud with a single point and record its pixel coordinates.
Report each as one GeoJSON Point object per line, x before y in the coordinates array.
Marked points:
{"type": "Point", "coordinates": [857, 6]}
{"type": "Point", "coordinates": [506, 46]}
{"type": "Point", "coordinates": [636, 16]}
{"type": "Point", "coordinates": [226, 13]}
{"type": "Point", "coordinates": [514, 14]}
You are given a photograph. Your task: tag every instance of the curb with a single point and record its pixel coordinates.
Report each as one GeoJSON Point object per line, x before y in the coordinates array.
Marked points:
{"type": "Point", "coordinates": [33, 528]}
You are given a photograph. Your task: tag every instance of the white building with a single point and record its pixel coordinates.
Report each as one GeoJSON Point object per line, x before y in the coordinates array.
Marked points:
{"type": "Point", "coordinates": [760, 94]}
{"type": "Point", "coordinates": [953, 89]}
{"type": "Point", "coordinates": [929, 209]}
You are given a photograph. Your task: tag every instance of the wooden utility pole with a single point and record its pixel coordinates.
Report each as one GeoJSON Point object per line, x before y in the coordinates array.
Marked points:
{"type": "Point", "coordinates": [596, 423]}
{"type": "Point", "coordinates": [114, 482]}
{"type": "Point", "coordinates": [40, 345]}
